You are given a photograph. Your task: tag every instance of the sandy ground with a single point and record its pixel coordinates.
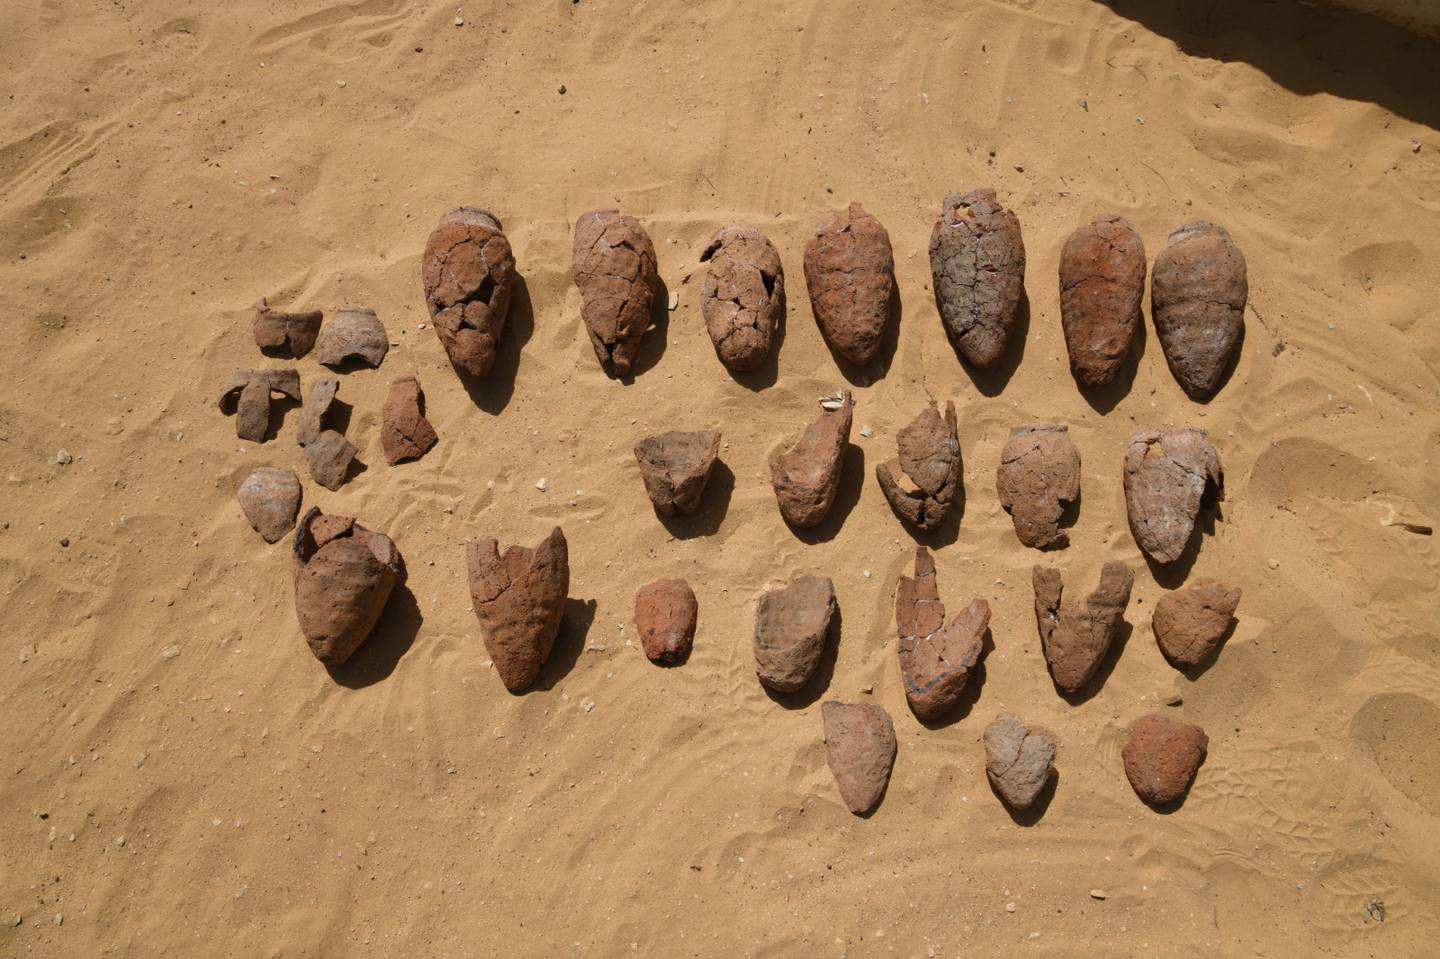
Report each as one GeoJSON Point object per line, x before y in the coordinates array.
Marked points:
{"type": "Point", "coordinates": [180, 777]}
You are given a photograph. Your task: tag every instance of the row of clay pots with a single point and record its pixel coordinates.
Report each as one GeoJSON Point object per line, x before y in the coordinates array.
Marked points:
{"type": "Point", "coordinates": [344, 575]}
{"type": "Point", "coordinates": [1168, 474]}
{"type": "Point", "coordinates": [977, 258]}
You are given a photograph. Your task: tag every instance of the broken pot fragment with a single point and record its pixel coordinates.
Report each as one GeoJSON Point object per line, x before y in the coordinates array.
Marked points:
{"type": "Point", "coordinates": [807, 477]}
{"type": "Point", "coordinates": [1039, 473]}
{"type": "Point", "coordinates": [977, 259]}
{"type": "Point", "coordinates": [930, 456]}
{"type": "Point", "coordinates": [405, 433]}
{"type": "Point", "coordinates": [860, 748]}
{"type": "Point", "coordinates": [1198, 292]}
{"type": "Point", "coordinates": [247, 393]}
{"type": "Point", "coordinates": [519, 599]}
{"type": "Point", "coordinates": [329, 456]}
{"type": "Point", "coordinates": [850, 273]}
{"type": "Point", "coordinates": [270, 498]}
{"type": "Point", "coordinates": [1076, 638]}
{"type": "Point", "coordinates": [675, 467]}
{"type": "Point", "coordinates": [468, 273]}
{"type": "Point", "coordinates": [1190, 623]}
{"type": "Point", "coordinates": [353, 333]}
{"type": "Point", "coordinates": [743, 296]}
{"type": "Point", "coordinates": [1161, 758]}
{"type": "Point", "coordinates": [665, 613]}
{"type": "Point", "coordinates": [1102, 281]}
{"type": "Point", "coordinates": [285, 334]}
{"type": "Point", "coordinates": [1169, 474]}
{"type": "Point", "coordinates": [344, 574]}
{"type": "Point", "coordinates": [936, 660]}
{"type": "Point", "coordinates": [791, 626]}
{"type": "Point", "coordinates": [614, 265]}
{"type": "Point", "coordinates": [314, 415]}
{"type": "Point", "coordinates": [1019, 759]}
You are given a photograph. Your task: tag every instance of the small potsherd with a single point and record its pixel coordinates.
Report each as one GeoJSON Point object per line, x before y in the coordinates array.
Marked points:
{"type": "Point", "coordinates": [1169, 474]}
{"type": "Point", "coordinates": [405, 433]}
{"type": "Point", "coordinates": [1039, 473]}
{"type": "Point", "coordinates": [675, 467]}
{"type": "Point", "coordinates": [316, 411]}
{"type": "Point", "coordinates": [520, 600]}
{"type": "Point", "coordinates": [930, 456]}
{"type": "Point", "coordinates": [850, 273]}
{"type": "Point", "coordinates": [1161, 758]}
{"type": "Point", "coordinates": [1019, 760]}
{"type": "Point", "coordinates": [1076, 639]}
{"type": "Point", "coordinates": [936, 660]}
{"type": "Point", "coordinates": [977, 259]}
{"type": "Point", "coordinates": [1190, 623]}
{"type": "Point", "coordinates": [665, 614]}
{"type": "Point", "coordinates": [791, 628]}
{"type": "Point", "coordinates": [247, 394]}
{"type": "Point", "coordinates": [285, 334]}
{"type": "Point", "coordinates": [353, 333]}
{"type": "Point", "coordinates": [1198, 291]}
{"type": "Point", "coordinates": [344, 574]}
{"type": "Point", "coordinates": [329, 456]}
{"type": "Point", "coordinates": [1102, 282]}
{"type": "Point", "coordinates": [860, 748]}
{"type": "Point", "coordinates": [270, 498]}
{"type": "Point", "coordinates": [743, 296]}
{"type": "Point", "coordinates": [615, 271]}
{"type": "Point", "coordinates": [807, 477]}
{"type": "Point", "coordinates": [468, 273]}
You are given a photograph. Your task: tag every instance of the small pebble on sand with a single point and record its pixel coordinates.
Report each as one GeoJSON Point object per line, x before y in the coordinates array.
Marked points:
{"type": "Point", "coordinates": [64, 458]}
{"type": "Point", "coordinates": [1097, 893]}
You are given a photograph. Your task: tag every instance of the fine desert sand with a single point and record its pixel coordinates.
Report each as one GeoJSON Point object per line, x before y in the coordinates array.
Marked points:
{"type": "Point", "coordinates": [180, 777]}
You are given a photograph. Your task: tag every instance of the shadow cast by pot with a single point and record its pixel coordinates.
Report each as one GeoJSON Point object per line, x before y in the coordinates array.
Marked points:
{"type": "Point", "coordinates": [992, 380]}
{"type": "Point", "coordinates": [387, 643]}
{"type": "Point", "coordinates": [1173, 575]}
{"type": "Point", "coordinates": [868, 373]}
{"type": "Point", "coordinates": [1036, 812]}
{"type": "Point", "coordinates": [767, 372]}
{"type": "Point", "coordinates": [569, 644]}
{"type": "Point", "coordinates": [492, 392]}
{"type": "Point", "coordinates": [656, 338]}
{"type": "Point", "coordinates": [970, 695]}
{"type": "Point", "coordinates": [279, 410]}
{"type": "Point", "coordinates": [714, 503]}
{"type": "Point", "coordinates": [1103, 399]}
{"type": "Point", "coordinates": [949, 529]}
{"type": "Point", "coordinates": [852, 482]}
{"type": "Point", "coordinates": [808, 694]}
{"type": "Point", "coordinates": [1193, 673]}
{"type": "Point", "coordinates": [1107, 666]}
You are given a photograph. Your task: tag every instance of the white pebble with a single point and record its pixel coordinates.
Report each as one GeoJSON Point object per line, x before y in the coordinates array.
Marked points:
{"type": "Point", "coordinates": [1009, 907]}
{"type": "Point", "coordinates": [170, 652]}
{"type": "Point", "coordinates": [867, 432]}
{"type": "Point", "coordinates": [587, 705]}
{"type": "Point", "coordinates": [1097, 893]}
{"type": "Point", "coordinates": [64, 458]}
{"type": "Point", "coordinates": [459, 21]}
{"type": "Point", "coordinates": [541, 485]}
{"type": "Point", "coordinates": [674, 300]}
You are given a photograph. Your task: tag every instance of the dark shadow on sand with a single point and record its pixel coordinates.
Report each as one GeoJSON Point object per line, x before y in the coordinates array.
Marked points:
{"type": "Point", "coordinates": [808, 694]}
{"type": "Point", "coordinates": [1306, 48]}
{"type": "Point", "coordinates": [492, 392]}
{"type": "Point", "coordinates": [713, 505]}
{"type": "Point", "coordinates": [387, 644]}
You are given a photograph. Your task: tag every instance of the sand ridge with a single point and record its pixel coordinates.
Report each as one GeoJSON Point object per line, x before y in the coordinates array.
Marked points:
{"type": "Point", "coordinates": [164, 166]}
